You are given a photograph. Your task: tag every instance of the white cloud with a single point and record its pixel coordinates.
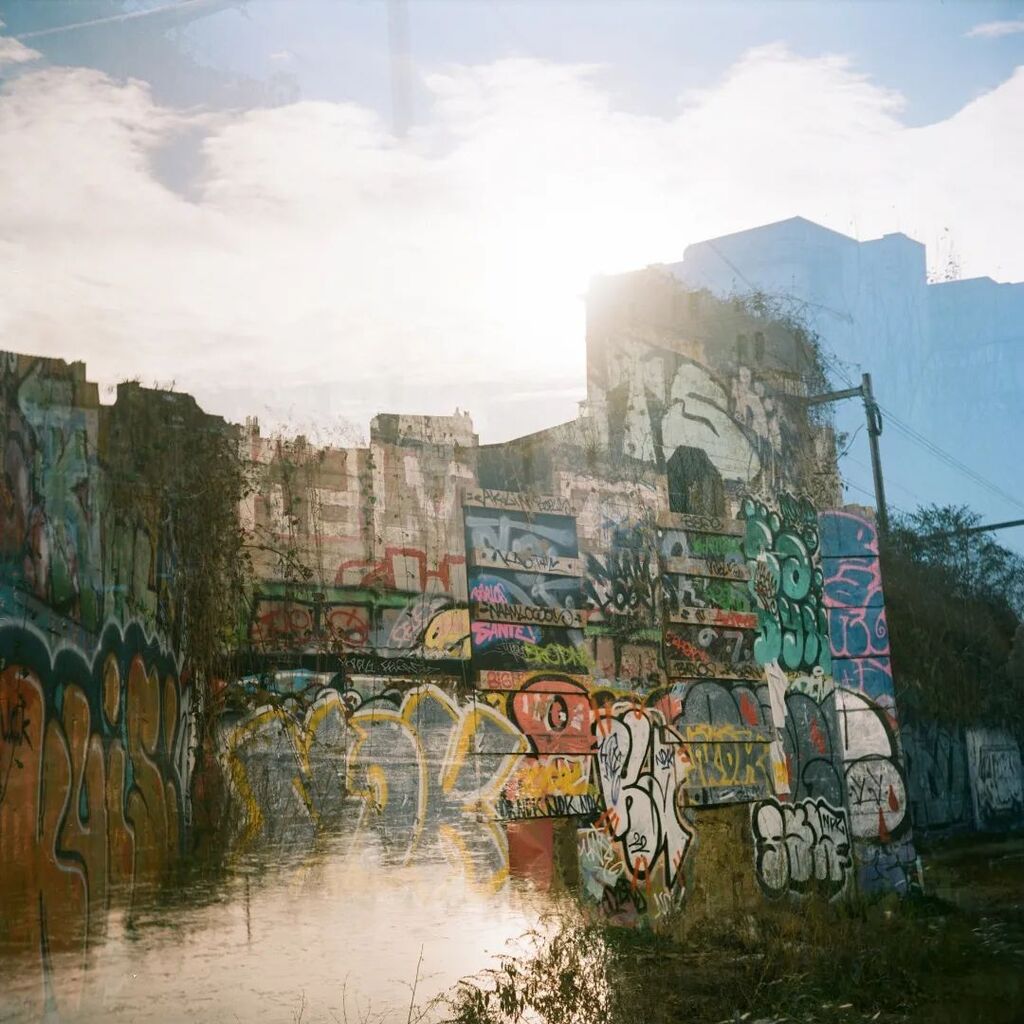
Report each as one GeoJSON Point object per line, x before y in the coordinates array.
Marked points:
{"type": "Point", "coordinates": [995, 29]}
{"type": "Point", "coordinates": [319, 266]}
{"type": "Point", "coordinates": [14, 52]}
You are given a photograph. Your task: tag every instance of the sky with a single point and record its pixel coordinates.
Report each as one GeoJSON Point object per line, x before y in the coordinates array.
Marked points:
{"type": "Point", "coordinates": [237, 198]}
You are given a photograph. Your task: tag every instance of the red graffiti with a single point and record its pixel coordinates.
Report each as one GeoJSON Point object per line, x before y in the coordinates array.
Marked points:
{"type": "Point", "coordinates": [884, 835]}
{"type": "Point", "coordinates": [816, 738]}
{"type": "Point", "coordinates": [555, 715]}
{"type": "Point", "coordinates": [687, 649]}
{"type": "Point", "coordinates": [747, 711]}
{"type": "Point", "coordinates": [894, 803]}
{"type": "Point", "coordinates": [383, 575]}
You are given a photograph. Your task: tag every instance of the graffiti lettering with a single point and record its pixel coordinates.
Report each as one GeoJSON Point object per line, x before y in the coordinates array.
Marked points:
{"type": "Point", "coordinates": [715, 568]}
{"type": "Point", "coordinates": [516, 560]}
{"type": "Point", "coordinates": [519, 501]}
{"type": "Point", "coordinates": [639, 787]}
{"type": "Point", "coordinates": [714, 617]}
{"type": "Point", "coordinates": [487, 633]}
{"type": "Point", "coordinates": [554, 805]}
{"type": "Point", "coordinates": [557, 656]}
{"type": "Point", "coordinates": [488, 594]}
{"type": "Point", "coordinates": [92, 794]}
{"type": "Point", "coordinates": [781, 549]}
{"type": "Point", "coordinates": [798, 847]}
{"type": "Point", "coordinates": [522, 613]}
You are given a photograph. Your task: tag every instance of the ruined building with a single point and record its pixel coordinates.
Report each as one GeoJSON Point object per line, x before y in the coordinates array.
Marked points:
{"type": "Point", "coordinates": [642, 654]}
{"type": "Point", "coordinates": [599, 654]}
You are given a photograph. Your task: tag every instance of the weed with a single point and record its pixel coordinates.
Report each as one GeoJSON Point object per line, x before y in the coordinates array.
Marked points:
{"type": "Point", "coordinates": [814, 962]}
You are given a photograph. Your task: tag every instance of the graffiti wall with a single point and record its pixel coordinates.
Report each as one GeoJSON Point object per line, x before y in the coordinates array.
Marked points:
{"type": "Point", "coordinates": [628, 675]}
{"type": "Point", "coordinates": [94, 765]}
{"type": "Point", "coordinates": [997, 782]}
{"type": "Point", "coordinates": [696, 386]}
{"type": "Point", "coordinates": [359, 554]}
{"type": "Point", "coordinates": [875, 774]}
{"type": "Point", "coordinates": [572, 656]}
{"type": "Point", "coordinates": [96, 742]}
{"type": "Point", "coordinates": [963, 778]}
{"type": "Point", "coordinates": [657, 640]}
{"type": "Point", "coordinates": [938, 780]}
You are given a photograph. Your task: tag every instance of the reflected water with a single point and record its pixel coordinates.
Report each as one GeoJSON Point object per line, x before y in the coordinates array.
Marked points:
{"type": "Point", "coordinates": [328, 934]}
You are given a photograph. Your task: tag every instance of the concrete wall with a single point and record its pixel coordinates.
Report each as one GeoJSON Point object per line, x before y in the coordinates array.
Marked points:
{"type": "Point", "coordinates": [598, 655]}
{"type": "Point", "coordinates": [94, 708]}
{"type": "Point", "coordinates": [963, 779]}
{"type": "Point", "coordinates": [625, 654]}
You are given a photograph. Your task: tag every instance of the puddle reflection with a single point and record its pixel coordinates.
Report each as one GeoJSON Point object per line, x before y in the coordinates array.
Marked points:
{"type": "Point", "coordinates": [282, 935]}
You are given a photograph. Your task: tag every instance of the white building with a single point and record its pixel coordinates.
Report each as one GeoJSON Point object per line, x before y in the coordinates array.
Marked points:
{"type": "Point", "coordinates": [947, 359]}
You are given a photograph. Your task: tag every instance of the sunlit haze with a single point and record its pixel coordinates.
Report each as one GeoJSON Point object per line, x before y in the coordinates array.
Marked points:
{"type": "Point", "coordinates": [303, 263]}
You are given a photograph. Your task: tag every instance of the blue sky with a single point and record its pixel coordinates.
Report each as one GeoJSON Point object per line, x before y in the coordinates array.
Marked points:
{"type": "Point", "coordinates": [337, 50]}
{"type": "Point", "coordinates": [231, 210]}
{"type": "Point", "coordinates": [651, 51]}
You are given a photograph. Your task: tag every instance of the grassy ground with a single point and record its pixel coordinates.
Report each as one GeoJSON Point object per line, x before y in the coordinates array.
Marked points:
{"type": "Point", "coordinates": [955, 954]}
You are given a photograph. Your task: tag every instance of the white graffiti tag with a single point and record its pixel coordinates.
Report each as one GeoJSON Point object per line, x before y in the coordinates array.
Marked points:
{"type": "Point", "coordinates": [641, 764]}
{"type": "Point", "coordinates": [800, 846]}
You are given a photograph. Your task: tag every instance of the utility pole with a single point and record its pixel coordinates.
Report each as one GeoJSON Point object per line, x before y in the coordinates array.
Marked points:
{"type": "Point", "coordinates": [874, 421]}
{"type": "Point", "coordinates": [874, 433]}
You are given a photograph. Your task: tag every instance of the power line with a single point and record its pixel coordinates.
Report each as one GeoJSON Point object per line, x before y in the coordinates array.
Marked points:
{"type": "Point", "coordinates": [963, 530]}
{"type": "Point", "coordinates": [871, 494]}
{"type": "Point", "coordinates": [832, 361]}
{"type": "Point", "coordinates": [190, 8]}
{"type": "Point", "coordinates": [906, 490]}
{"type": "Point", "coordinates": [950, 460]}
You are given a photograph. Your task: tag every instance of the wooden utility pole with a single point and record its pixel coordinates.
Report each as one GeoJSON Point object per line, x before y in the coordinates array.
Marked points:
{"type": "Point", "coordinates": [874, 420]}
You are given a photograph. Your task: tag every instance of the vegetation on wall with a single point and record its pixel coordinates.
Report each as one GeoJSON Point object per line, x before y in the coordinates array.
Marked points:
{"type": "Point", "coordinates": [815, 442]}
{"type": "Point", "coordinates": [783, 313]}
{"type": "Point", "coordinates": [180, 472]}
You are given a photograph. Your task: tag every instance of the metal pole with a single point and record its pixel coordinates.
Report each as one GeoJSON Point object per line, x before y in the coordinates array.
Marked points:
{"type": "Point", "coordinates": [874, 432]}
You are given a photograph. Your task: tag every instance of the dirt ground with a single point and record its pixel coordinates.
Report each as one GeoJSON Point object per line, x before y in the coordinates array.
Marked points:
{"type": "Point", "coordinates": [969, 927]}
{"type": "Point", "coordinates": [984, 878]}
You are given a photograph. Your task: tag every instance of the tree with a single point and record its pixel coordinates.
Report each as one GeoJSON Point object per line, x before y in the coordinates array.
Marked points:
{"type": "Point", "coordinates": [954, 605]}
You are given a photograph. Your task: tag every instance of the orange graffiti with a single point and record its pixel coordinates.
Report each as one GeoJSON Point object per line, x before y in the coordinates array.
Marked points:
{"type": "Point", "coordinates": [73, 831]}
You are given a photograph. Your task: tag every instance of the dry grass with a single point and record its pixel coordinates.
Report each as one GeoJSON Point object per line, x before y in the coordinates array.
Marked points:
{"type": "Point", "coordinates": [915, 960]}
